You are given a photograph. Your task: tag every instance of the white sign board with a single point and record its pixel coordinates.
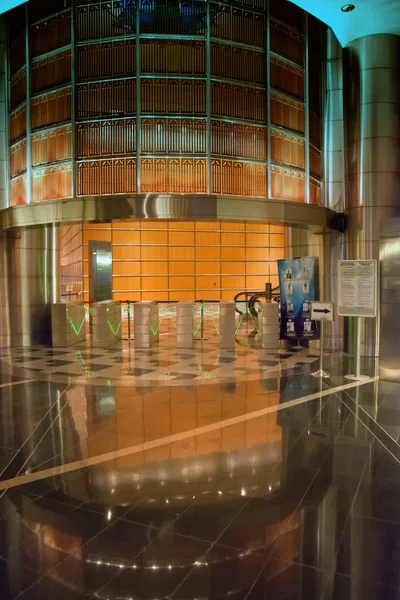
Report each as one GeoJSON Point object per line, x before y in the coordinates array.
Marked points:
{"type": "Point", "coordinates": [357, 288]}
{"type": "Point", "coordinates": [322, 311]}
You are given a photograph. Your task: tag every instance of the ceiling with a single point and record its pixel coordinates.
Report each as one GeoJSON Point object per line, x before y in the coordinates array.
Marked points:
{"type": "Point", "coordinates": [368, 17]}
{"type": "Point", "coordinates": [6, 5]}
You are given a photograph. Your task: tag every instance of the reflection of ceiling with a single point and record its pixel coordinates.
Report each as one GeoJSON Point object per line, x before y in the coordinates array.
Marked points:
{"type": "Point", "coordinates": [368, 17]}
{"type": "Point", "coordinates": [6, 5]}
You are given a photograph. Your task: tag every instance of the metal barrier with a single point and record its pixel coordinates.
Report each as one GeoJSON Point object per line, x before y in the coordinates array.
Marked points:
{"type": "Point", "coordinates": [67, 323]}
{"type": "Point", "coordinates": [106, 321]}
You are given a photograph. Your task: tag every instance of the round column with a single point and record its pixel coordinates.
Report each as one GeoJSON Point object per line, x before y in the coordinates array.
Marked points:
{"type": "Point", "coordinates": [31, 284]}
{"type": "Point", "coordinates": [372, 94]}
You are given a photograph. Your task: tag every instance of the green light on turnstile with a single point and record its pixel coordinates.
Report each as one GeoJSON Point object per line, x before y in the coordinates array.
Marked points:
{"type": "Point", "coordinates": [114, 331]}
{"type": "Point", "coordinates": [77, 330]}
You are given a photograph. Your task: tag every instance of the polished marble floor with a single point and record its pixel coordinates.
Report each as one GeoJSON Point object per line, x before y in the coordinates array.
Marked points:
{"type": "Point", "coordinates": [266, 485]}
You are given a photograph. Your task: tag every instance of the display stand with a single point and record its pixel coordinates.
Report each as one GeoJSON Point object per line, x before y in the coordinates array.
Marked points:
{"type": "Point", "coordinates": [357, 356]}
{"type": "Point", "coordinates": [321, 374]}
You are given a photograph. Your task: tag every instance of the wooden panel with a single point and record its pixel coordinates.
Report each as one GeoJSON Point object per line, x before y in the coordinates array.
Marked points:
{"type": "Point", "coordinates": [287, 149]}
{"type": "Point", "coordinates": [256, 282]}
{"type": "Point", "coordinates": [204, 282]}
{"type": "Point", "coordinates": [125, 237]}
{"type": "Point", "coordinates": [154, 283]}
{"type": "Point", "coordinates": [126, 252]}
{"type": "Point", "coordinates": [286, 77]}
{"type": "Point", "coordinates": [180, 253]}
{"type": "Point", "coordinates": [276, 253]}
{"type": "Point", "coordinates": [125, 268]}
{"type": "Point", "coordinates": [153, 252]}
{"type": "Point", "coordinates": [233, 226]}
{"type": "Point", "coordinates": [154, 237]}
{"type": "Point", "coordinates": [207, 252]}
{"type": "Point", "coordinates": [286, 42]}
{"type": "Point", "coordinates": [235, 268]}
{"type": "Point", "coordinates": [181, 237]}
{"type": "Point", "coordinates": [155, 268]}
{"type": "Point", "coordinates": [182, 295]}
{"type": "Point", "coordinates": [18, 158]}
{"type": "Point", "coordinates": [182, 267]}
{"type": "Point", "coordinates": [235, 253]}
{"type": "Point", "coordinates": [18, 190]}
{"type": "Point", "coordinates": [126, 283]}
{"type": "Point", "coordinates": [51, 108]}
{"type": "Point", "coordinates": [181, 283]}
{"type": "Point", "coordinates": [233, 239]}
{"type": "Point", "coordinates": [287, 184]}
{"type": "Point", "coordinates": [237, 282]}
{"type": "Point", "coordinates": [210, 267]}
{"type": "Point", "coordinates": [177, 225]}
{"type": "Point", "coordinates": [170, 272]}
{"type": "Point", "coordinates": [96, 234]}
{"type": "Point", "coordinates": [257, 239]}
{"type": "Point", "coordinates": [257, 268]}
{"type": "Point", "coordinates": [207, 238]}
{"type": "Point", "coordinates": [287, 112]}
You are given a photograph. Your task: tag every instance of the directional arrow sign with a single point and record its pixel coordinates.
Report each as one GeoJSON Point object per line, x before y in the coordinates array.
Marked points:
{"type": "Point", "coordinates": [322, 311]}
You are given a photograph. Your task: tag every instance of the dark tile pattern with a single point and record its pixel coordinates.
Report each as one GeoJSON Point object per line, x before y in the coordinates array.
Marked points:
{"type": "Point", "coordinates": [299, 503]}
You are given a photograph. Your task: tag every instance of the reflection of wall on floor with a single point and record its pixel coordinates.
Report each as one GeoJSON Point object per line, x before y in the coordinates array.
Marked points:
{"type": "Point", "coordinates": [71, 261]}
{"type": "Point", "coordinates": [187, 260]}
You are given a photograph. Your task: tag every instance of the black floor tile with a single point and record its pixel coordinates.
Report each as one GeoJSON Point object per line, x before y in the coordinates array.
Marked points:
{"type": "Point", "coordinates": [370, 548]}
{"type": "Point", "coordinates": [341, 587]}
{"type": "Point", "coordinates": [280, 580]}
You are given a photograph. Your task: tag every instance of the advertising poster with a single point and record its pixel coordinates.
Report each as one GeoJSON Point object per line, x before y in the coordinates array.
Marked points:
{"type": "Point", "coordinates": [297, 290]}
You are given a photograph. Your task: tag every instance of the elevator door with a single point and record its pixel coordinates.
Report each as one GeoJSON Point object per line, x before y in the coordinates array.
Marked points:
{"type": "Point", "coordinates": [100, 271]}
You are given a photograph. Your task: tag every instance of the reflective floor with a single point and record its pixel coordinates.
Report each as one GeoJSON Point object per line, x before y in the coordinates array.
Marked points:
{"type": "Point", "coordinates": [277, 486]}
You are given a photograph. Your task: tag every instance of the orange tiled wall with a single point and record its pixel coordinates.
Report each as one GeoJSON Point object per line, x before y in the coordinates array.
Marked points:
{"type": "Point", "coordinates": [186, 260]}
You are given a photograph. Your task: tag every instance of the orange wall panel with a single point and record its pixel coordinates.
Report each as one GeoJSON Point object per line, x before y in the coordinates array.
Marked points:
{"type": "Point", "coordinates": [181, 260]}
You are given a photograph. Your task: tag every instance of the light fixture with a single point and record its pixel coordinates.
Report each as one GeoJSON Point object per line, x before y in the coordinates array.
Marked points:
{"type": "Point", "coordinates": [347, 8]}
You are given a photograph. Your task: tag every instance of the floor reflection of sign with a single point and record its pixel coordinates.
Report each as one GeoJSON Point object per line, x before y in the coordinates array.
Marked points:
{"type": "Point", "coordinates": [357, 288]}
{"type": "Point", "coordinates": [322, 311]}
{"type": "Point", "coordinates": [297, 291]}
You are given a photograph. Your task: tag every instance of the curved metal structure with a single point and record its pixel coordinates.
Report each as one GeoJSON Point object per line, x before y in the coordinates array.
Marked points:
{"type": "Point", "coordinates": [163, 97]}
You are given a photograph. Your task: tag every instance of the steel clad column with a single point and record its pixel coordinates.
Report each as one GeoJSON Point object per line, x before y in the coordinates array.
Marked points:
{"type": "Point", "coordinates": [372, 104]}
{"type": "Point", "coordinates": [32, 263]}
{"type": "Point", "coordinates": [334, 178]}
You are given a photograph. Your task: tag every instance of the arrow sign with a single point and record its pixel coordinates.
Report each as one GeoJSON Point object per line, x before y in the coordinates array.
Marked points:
{"type": "Point", "coordinates": [322, 311]}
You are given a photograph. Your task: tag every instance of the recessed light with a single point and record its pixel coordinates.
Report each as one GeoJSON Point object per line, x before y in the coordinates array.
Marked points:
{"type": "Point", "coordinates": [347, 7]}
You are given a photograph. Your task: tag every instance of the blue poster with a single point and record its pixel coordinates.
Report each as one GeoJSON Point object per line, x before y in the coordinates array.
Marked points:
{"type": "Point", "coordinates": [297, 291]}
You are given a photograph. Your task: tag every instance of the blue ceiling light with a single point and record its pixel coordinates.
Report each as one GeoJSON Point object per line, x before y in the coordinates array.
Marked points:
{"type": "Point", "coordinates": [347, 8]}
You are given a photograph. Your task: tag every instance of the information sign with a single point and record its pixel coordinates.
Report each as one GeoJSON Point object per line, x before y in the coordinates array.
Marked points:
{"type": "Point", "coordinates": [297, 289]}
{"type": "Point", "coordinates": [322, 311]}
{"type": "Point", "coordinates": [357, 288]}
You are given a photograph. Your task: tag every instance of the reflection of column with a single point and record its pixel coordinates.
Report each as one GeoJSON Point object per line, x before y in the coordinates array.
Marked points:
{"type": "Point", "coordinates": [373, 150]}
{"type": "Point", "coordinates": [32, 267]}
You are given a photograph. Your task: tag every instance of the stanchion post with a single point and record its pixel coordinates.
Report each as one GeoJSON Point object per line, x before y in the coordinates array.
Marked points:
{"type": "Point", "coordinates": [321, 348]}
{"type": "Point", "coordinates": [357, 356]}
{"type": "Point", "coordinates": [202, 319]}
{"type": "Point", "coordinates": [128, 304]}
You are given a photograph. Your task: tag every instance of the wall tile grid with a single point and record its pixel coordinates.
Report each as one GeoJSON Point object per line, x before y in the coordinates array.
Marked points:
{"type": "Point", "coordinates": [186, 260]}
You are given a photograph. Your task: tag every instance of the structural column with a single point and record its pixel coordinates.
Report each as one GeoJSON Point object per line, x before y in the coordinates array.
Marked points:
{"type": "Point", "coordinates": [372, 104]}
{"type": "Point", "coordinates": [29, 285]}
{"type": "Point", "coordinates": [334, 181]}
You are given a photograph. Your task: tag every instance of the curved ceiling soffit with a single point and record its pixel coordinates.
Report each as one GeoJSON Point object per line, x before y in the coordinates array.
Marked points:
{"type": "Point", "coordinates": [369, 17]}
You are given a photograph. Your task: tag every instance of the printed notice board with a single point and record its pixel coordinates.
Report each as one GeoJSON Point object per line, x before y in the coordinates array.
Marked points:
{"type": "Point", "coordinates": [297, 285]}
{"type": "Point", "coordinates": [357, 288]}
